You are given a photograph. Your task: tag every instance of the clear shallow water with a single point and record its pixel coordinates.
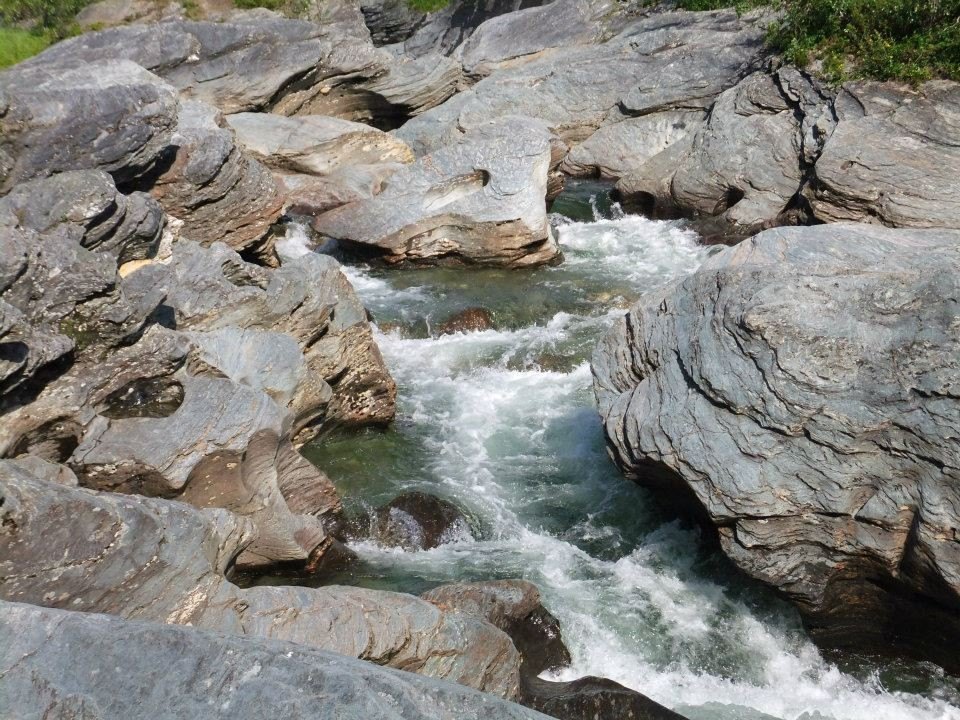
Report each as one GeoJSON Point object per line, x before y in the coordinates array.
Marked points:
{"type": "Point", "coordinates": [502, 423]}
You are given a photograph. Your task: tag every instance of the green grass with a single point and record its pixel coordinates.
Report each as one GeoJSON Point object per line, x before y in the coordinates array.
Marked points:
{"type": "Point", "coordinates": [912, 40]}
{"type": "Point", "coordinates": [428, 6]}
{"type": "Point", "coordinates": [17, 45]}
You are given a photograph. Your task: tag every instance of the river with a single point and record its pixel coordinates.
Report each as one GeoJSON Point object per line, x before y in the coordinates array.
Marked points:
{"type": "Point", "coordinates": [502, 422]}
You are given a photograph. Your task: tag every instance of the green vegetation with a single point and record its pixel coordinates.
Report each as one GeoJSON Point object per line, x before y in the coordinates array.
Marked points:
{"type": "Point", "coordinates": [54, 18]}
{"type": "Point", "coordinates": [911, 40]}
{"type": "Point", "coordinates": [428, 6]}
{"type": "Point", "coordinates": [17, 45]}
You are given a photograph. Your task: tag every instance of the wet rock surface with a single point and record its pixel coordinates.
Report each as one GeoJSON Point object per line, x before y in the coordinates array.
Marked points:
{"type": "Point", "coordinates": [418, 521]}
{"type": "Point", "coordinates": [473, 319]}
{"type": "Point", "coordinates": [816, 367]}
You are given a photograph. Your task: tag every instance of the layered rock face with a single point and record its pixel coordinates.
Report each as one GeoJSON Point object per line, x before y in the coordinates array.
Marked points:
{"type": "Point", "coordinates": [800, 391]}
{"type": "Point", "coordinates": [152, 559]}
{"type": "Point", "coordinates": [174, 672]}
{"type": "Point", "coordinates": [261, 61]}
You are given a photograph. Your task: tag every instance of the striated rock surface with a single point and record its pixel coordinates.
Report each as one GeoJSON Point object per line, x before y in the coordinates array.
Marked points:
{"type": "Point", "coordinates": [748, 163]}
{"type": "Point", "coordinates": [110, 115]}
{"type": "Point", "coordinates": [666, 62]}
{"type": "Point", "coordinates": [894, 157]}
{"type": "Point", "coordinates": [315, 144]}
{"type": "Point", "coordinates": [152, 559]}
{"type": "Point", "coordinates": [217, 191]}
{"type": "Point", "coordinates": [800, 391]}
{"type": "Point", "coordinates": [480, 200]}
{"type": "Point", "coordinates": [243, 678]}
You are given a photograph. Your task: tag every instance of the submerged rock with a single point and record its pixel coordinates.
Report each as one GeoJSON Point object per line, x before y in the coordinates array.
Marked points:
{"type": "Point", "coordinates": [472, 319]}
{"type": "Point", "coordinates": [418, 521]}
{"type": "Point", "coordinates": [480, 200]}
{"type": "Point", "coordinates": [588, 698]}
{"type": "Point", "coordinates": [240, 678]}
{"type": "Point", "coordinates": [799, 391]}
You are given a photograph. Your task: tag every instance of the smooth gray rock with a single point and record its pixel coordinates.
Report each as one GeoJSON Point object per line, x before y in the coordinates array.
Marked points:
{"type": "Point", "coordinates": [480, 200]}
{"type": "Point", "coordinates": [57, 663]}
{"type": "Point", "coordinates": [110, 114]}
{"type": "Point", "coordinates": [749, 162]}
{"type": "Point", "coordinates": [668, 61]}
{"type": "Point", "coordinates": [800, 391]}
{"type": "Point", "coordinates": [152, 559]}
{"type": "Point", "coordinates": [219, 192]}
{"type": "Point", "coordinates": [894, 157]}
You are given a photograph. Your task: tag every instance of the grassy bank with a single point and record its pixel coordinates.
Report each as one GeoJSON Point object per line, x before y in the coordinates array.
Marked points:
{"type": "Point", "coordinates": [17, 45]}
{"type": "Point", "coordinates": [911, 40]}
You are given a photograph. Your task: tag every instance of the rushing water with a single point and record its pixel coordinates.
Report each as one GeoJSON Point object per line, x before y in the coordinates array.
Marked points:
{"type": "Point", "coordinates": [502, 422]}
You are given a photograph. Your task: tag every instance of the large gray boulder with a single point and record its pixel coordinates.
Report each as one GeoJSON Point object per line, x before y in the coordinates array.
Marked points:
{"type": "Point", "coordinates": [54, 663]}
{"type": "Point", "coordinates": [666, 62]}
{"type": "Point", "coordinates": [153, 559]}
{"type": "Point", "coordinates": [800, 393]}
{"type": "Point", "coordinates": [480, 200]}
{"type": "Point", "coordinates": [110, 115]}
{"type": "Point", "coordinates": [748, 163]}
{"type": "Point", "coordinates": [894, 158]}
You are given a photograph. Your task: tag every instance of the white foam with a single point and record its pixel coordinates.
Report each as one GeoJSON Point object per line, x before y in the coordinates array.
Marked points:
{"type": "Point", "coordinates": [506, 439]}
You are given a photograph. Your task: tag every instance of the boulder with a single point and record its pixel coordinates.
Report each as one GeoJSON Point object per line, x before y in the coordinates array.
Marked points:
{"type": "Point", "coordinates": [665, 62]}
{"type": "Point", "coordinates": [237, 678]}
{"type": "Point", "coordinates": [163, 561]}
{"type": "Point", "coordinates": [100, 373]}
{"type": "Point", "coordinates": [480, 200]}
{"type": "Point", "coordinates": [109, 115]}
{"type": "Point", "coordinates": [344, 381]}
{"type": "Point", "coordinates": [258, 60]}
{"type": "Point", "coordinates": [515, 607]}
{"type": "Point", "coordinates": [588, 698]}
{"type": "Point", "coordinates": [799, 393]}
{"type": "Point", "coordinates": [418, 521]}
{"type": "Point", "coordinates": [617, 149]}
{"type": "Point", "coordinates": [893, 158]}
{"type": "Point", "coordinates": [748, 163]}
{"type": "Point", "coordinates": [217, 191]}
{"type": "Point", "coordinates": [473, 319]}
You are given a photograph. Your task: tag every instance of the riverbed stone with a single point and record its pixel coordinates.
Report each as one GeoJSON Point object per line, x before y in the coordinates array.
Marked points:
{"type": "Point", "coordinates": [480, 200]}
{"type": "Point", "coordinates": [244, 678]}
{"type": "Point", "coordinates": [797, 392]}
{"type": "Point", "coordinates": [419, 521]}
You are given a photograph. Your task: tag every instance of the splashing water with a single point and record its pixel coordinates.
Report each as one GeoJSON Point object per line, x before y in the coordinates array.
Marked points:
{"type": "Point", "coordinates": [502, 423]}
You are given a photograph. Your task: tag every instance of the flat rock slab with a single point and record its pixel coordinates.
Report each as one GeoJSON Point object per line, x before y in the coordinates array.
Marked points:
{"type": "Point", "coordinates": [800, 391]}
{"type": "Point", "coordinates": [54, 663]}
{"type": "Point", "coordinates": [480, 200]}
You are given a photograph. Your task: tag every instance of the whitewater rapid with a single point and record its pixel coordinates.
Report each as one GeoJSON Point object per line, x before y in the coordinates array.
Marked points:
{"type": "Point", "coordinates": [502, 422]}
